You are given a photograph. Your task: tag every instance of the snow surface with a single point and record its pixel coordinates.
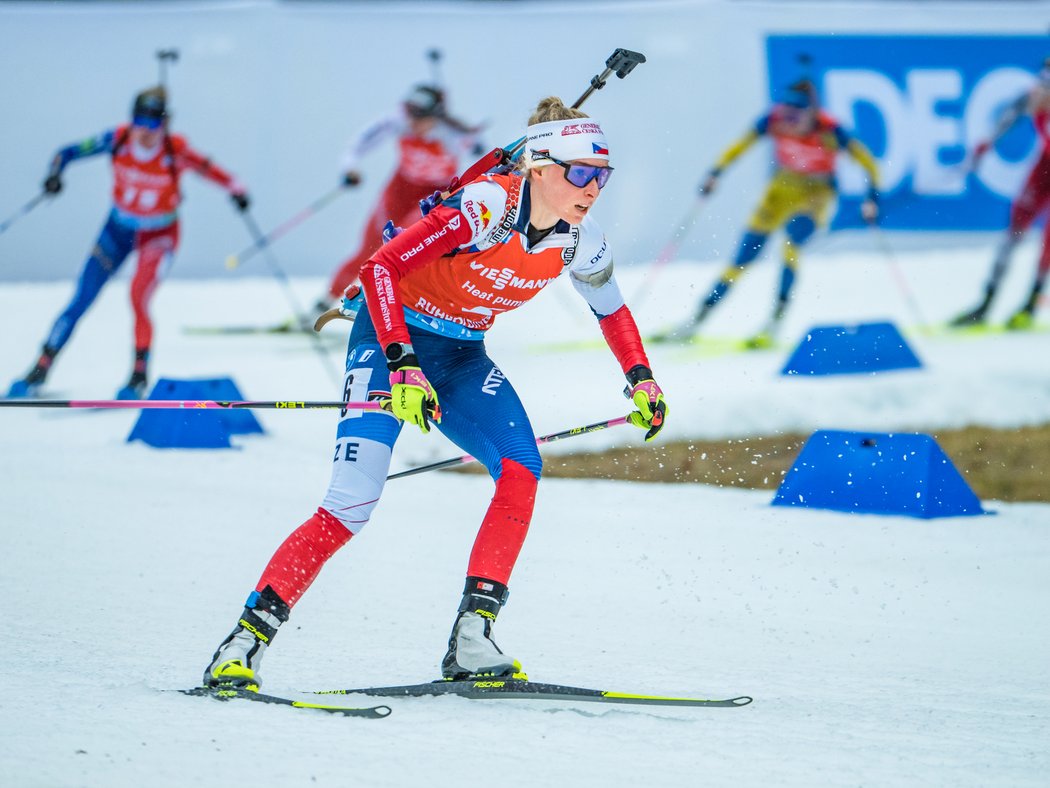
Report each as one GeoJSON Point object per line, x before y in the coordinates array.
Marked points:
{"type": "Point", "coordinates": [879, 650]}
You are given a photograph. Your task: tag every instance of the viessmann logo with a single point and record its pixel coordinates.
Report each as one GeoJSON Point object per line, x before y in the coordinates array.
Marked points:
{"type": "Point", "coordinates": [921, 103]}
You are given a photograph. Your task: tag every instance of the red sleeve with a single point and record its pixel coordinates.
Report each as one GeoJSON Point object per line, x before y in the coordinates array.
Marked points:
{"type": "Point", "coordinates": [190, 159]}
{"type": "Point", "coordinates": [436, 234]}
{"type": "Point", "coordinates": [621, 333]}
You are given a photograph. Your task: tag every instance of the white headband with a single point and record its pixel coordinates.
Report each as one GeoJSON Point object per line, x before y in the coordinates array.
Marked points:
{"type": "Point", "coordinates": [567, 140]}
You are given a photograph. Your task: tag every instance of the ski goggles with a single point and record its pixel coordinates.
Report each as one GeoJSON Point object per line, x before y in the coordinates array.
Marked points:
{"type": "Point", "coordinates": [580, 175]}
{"type": "Point", "coordinates": [148, 121]}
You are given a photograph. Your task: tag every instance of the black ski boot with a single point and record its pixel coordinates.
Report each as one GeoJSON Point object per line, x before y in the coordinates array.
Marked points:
{"type": "Point", "coordinates": [29, 386]}
{"type": "Point", "coordinates": [236, 661]}
{"type": "Point", "coordinates": [135, 388]}
{"type": "Point", "coordinates": [471, 649]}
{"type": "Point", "coordinates": [974, 317]}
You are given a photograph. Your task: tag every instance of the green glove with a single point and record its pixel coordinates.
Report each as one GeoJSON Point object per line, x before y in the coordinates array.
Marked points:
{"type": "Point", "coordinates": [648, 397]}
{"type": "Point", "coordinates": [412, 398]}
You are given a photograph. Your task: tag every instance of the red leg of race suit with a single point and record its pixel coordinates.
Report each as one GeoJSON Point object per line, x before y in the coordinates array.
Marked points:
{"type": "Point", "coordinates": [506, 522]}
{"type": "Point", "coordinates": [299, 559]}
{"type": "Point", "coordinates": [1033, 197]}
{"type": "Point", "coordinates": [155, 249]}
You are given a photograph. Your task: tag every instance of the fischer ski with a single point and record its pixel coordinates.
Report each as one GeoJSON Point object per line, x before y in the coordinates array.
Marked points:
{"type": "Point", "coordinates": [497, 688]}
{"type": "Point", "coordinates": [230, 693]}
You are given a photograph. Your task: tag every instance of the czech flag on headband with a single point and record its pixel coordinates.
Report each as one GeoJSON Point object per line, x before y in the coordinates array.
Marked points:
{"type": "Point", "coordinates": [596, 148]}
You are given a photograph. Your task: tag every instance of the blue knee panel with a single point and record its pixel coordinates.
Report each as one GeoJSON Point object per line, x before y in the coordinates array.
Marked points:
{"type": "Point", "coordinates": [800, 229]}
{"type": "Point", "coordinates": [787, 281]}
{"type": "Point", "coordinates": [750, 246]}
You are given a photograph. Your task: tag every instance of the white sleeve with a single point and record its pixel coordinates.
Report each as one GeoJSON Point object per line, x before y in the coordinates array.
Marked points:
{"type": "Point", "coordinates": [591, 270]}
{"type": "Point", "coordinates": [370, 138]}
{"type": "Point", "coordinates": [483, 204]}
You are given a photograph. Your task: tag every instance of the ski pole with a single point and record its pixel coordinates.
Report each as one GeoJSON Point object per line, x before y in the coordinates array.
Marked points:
{"type": "Point", "coordinates": [22, 211]}
{"type": "Point", "coordinates": [898, 275]}
{"type": "Point", "coordinates": [466, 458]}
{"type": "Point", "coordinates": [281, 230]}
{"type": "Point", "coordinates": [670, 250]}
{"type": "Point", "coordinates": [300, 315]}
{"type": "Point", "coordinates": [184, 404]}
{"type": "Point", "coordinates": [434, 56]}
{"type": "Point", "coordinates": [163, 57]}
{"type": "Point", "coordinates": [622, 61]}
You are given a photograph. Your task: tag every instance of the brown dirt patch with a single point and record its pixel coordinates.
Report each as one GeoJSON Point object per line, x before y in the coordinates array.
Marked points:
{"type": "Point", "coordinates": [1003, 465]}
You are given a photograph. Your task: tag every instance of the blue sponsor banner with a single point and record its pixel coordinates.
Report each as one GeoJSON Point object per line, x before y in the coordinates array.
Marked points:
{"type": "Point", "coordinates": [921, 104]}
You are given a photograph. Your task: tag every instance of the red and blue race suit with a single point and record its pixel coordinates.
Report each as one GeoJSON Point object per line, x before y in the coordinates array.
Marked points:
{"type": "Point", "coordinates": [143, 218]}
{"type": "Point", "coordinates": [440, 285]}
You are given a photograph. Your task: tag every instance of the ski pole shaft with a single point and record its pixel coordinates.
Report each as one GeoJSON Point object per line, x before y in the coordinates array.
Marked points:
{"type": "Point", "coordinates": [670, 250]}
{"type": "Point", "coordinates": [621, 61]}
{"type": "Point", "coordinates": [898, 276]}
{"type": "Point", "coordinates": [191, 404]}
{"type": "Point", "coordinates": [22, 211]}
{"type": "Point", "coordinates": [283, 229]}
{"type": "Point", "coordinates": [466, 458]}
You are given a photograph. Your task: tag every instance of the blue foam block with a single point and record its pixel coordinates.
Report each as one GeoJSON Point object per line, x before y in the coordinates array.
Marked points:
{"type": "Point", "coordinates": [194, 429]}
{"type": "Point", "coordinates": [851, 350]}
{"type": "Point", "coordinates": [877, 473]}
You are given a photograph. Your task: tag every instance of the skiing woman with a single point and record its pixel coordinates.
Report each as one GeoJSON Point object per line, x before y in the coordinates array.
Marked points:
{"type": "Point", "coordinates": [430, 295]}
{"type": "Point", "coordinates": [1033, 200]}
{"type": "Point", "coordinates": [806, 142]}
{"type": "Point", "coordinates": [147, 162]}
{"type": "Point", "coordinates": [430, 144]}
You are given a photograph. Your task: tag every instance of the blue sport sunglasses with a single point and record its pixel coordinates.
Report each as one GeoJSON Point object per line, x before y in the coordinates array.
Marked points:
{"type": "Point", "coordinates": [580, 175]}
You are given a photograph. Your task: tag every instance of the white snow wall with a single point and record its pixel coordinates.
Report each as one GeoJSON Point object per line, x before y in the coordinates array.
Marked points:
{"type": "Point", "coordinates": [272, 90]}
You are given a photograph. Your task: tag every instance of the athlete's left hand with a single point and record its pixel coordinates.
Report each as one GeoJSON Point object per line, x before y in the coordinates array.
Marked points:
{"type": "Point", "coordinates": [390, 232]}
{"type": "Point", "coordinates": [648, 397]}
{"type": "Point", "coordinates": [869, 209]}
{"type": "Point", "coordinates": [241, 200]}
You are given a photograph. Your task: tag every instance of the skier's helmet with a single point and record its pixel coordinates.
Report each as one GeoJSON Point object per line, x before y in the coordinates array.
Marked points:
{"type": "Point", "coordinates": [801, 95]}
{"type": "Point", "coordinates": [150, 109]}
{"type": "Point", "coordinates": [425, 101]}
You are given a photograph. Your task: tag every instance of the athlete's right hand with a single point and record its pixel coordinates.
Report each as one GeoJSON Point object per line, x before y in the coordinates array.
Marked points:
{"type": "Point", "coordinates": [351, 178]}
{"type": "Point", "coordinates": [53, 184]}
{"type": "Point", "coordinates": [412, 398]}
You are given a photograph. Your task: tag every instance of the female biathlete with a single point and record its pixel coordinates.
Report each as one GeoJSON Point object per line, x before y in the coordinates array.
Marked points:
{"type": "Point", "coordinates": [1033, 201]}
{"type": "Point", "coordinates": [430, 145]}
{"type": "Point", "coordinates": [431, 294]}
{"type": "Point", "coordinates": [147, 163]}
{"type": "Point", "coordinates": [806, 142]}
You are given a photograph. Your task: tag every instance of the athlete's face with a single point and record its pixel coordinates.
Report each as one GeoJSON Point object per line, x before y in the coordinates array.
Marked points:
{"type": "Point", "coordinates": [558, 197]}
{"type": "Point", "coordinates": [146, 137]}
{"type": "Point", "coordinates": [421, 126]}
{"type": "Point", "coordinates": [800, 120]}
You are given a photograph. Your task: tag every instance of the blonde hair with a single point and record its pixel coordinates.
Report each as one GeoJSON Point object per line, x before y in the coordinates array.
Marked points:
{"type": "Point", "coordinates": [550, 108]}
